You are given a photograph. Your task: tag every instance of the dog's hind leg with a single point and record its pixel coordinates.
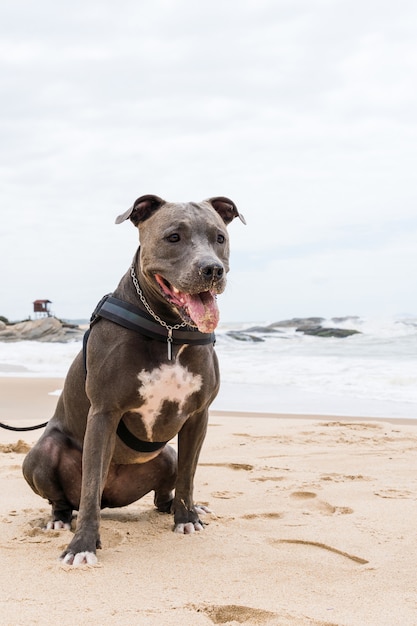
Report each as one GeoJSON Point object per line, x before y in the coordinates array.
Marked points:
{"type": "Point", "coordinates": [53, 470]}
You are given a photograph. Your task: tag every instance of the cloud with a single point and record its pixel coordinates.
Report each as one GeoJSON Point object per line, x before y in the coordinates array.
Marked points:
{"type": "Point", "coordinates": [300, 111]}
{"type": "Point", "coordinates": [352, 279]}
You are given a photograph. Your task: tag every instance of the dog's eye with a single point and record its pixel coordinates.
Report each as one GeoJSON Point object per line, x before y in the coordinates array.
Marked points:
{"type": "Point", "coordinates": [174, 238]}
{"type": "Point", "coordinates": [220, 238]}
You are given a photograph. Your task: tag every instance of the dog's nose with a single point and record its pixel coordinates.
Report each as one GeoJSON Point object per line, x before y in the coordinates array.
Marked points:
{"type": "Point", "coordinates": [214, 271]}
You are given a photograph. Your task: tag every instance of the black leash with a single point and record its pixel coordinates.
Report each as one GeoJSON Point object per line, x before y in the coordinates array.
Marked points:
{"type": "Point", "coordinates": [22, 428]}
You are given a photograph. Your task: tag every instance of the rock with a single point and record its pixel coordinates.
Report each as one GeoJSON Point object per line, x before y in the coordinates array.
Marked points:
{"type": "Point", "coordinates": [43, 329]}
{"type": "Point", "coordinates": [260, 329]}
{"type": "Point", "coordinates": [298, 321]}
{"type": "Point", "coordinates": [243, 336]}
{"type": "Point", "coordinates": [36, 329]}
{"type": "Point", "coordinates": [8, 335]}
{"type": "Point", "coordinates": [2, 325]}
{"type": "Point", "coordinates": [319, 331]}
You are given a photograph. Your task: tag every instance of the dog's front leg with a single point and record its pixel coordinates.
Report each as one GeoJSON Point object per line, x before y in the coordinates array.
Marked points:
{"type": "Point", "coordinates": [190, 441]}
{"type": "Point", "coordinates": [98, 448]}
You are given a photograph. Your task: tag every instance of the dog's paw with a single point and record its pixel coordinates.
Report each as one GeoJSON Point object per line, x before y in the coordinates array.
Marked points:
{"type": "Point", "coordinates": [58, 525]}
{"type": "Point", "coordinates": [82, 549]}
{"type": "Point", "coordinates": [188, 528]}
{"type": "Point", "coordinates": [202, 510]}
{"type": "Point", "coordinates": [81, 558]}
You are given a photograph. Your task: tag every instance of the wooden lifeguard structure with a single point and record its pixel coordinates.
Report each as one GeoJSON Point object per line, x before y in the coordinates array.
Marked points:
{"type": "Point", "coordinates": [41, 308]}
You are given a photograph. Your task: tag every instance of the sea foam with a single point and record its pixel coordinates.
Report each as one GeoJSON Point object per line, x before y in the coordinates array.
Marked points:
{"type": "Point", "coordinates": [371, 373]}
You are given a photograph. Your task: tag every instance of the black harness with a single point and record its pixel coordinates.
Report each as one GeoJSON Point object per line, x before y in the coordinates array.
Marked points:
{"type": "Point", "coordinates": [131, 317]}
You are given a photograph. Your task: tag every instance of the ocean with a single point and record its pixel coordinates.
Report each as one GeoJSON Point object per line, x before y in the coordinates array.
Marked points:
{"type": "Point", "coordinates": [370, 374]}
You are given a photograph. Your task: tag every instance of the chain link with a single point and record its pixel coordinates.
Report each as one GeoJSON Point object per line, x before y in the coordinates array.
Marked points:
{"type": "Point", "coordinates": [148, 308]}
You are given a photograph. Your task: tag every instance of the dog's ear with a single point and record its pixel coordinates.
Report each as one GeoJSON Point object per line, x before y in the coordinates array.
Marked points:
{"type": "Point", "coordinates": [226, 209]}
{"type": "Point", "coordinates": [141, 209]}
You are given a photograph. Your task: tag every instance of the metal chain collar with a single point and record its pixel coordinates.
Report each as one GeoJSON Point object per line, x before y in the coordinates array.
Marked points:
{"type": "Point", "coordinates": [148, 308]}
{"type": "Point", "coordinates": [154, 315]}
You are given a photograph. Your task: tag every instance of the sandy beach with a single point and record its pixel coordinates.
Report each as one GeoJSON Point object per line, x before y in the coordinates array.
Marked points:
{"type": "Point", "coordinates": [313, 524]}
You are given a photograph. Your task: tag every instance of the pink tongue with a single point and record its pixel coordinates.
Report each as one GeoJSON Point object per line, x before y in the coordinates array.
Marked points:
{"type": "Point", "coordinates": [203, 310]}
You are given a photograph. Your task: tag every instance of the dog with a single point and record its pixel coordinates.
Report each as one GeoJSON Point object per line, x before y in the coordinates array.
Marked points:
{"type": "Point", "coordinates": [148, 372]}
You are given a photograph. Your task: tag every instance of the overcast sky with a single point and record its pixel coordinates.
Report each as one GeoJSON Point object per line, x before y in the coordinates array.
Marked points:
{"type": "Point", "coordinates": [304, 112]}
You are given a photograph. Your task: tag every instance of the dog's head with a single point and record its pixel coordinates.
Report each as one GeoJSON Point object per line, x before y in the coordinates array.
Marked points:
{"type": "Point", "coordinates": [184, 252]}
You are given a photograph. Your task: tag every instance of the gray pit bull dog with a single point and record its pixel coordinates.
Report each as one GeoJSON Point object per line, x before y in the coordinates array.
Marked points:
{"type": "Point", "coordinates": [149, 372]}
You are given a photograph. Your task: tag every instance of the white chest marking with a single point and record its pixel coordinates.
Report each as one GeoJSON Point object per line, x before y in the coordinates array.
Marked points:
{"type": "Point", "coordinates": [168, 382]}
